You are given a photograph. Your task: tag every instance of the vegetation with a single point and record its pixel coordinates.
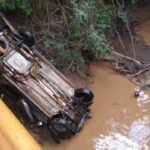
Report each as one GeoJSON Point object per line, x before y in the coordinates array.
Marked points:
{"type": "Point", "coordinates": [23, 5]}
{"type": "Point", "coordinates": [72, 32]}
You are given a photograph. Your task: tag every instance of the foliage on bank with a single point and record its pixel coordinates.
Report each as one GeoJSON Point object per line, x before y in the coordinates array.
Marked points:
{"type": "Point", "coordinates": [80, 27]}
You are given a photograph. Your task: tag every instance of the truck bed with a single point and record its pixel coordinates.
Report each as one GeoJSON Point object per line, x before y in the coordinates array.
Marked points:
{"type": "Point", "coordinates": [45, 86]}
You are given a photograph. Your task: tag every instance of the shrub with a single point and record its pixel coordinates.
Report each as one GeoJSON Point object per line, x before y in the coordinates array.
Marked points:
{"type": "Point", "coordinates": [91, 21]}
{"type": "Point", "coordinates": [87, 22]}
{"type": "Point", "coordinates": [23, 5]}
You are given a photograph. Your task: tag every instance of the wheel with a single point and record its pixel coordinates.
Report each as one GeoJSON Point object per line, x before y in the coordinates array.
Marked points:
{"type": "Point", "coordinates": [28, 37]}
{"type": "Point", "coordinates": [84, 96]}
{"type": "Point", "coordinates": [59, 127]}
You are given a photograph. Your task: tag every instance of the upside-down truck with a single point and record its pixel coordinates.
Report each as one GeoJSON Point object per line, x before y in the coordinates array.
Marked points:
{"type": "Point", "coordinates": [45, 94]}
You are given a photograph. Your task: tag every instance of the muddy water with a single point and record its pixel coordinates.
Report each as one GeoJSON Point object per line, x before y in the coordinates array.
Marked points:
{"type": "Point", "coordinates": [144, 31]}
{"type": "Point", "coordinates": [125, 119]}
{"type": "Point", "coordinates": [120, 121]}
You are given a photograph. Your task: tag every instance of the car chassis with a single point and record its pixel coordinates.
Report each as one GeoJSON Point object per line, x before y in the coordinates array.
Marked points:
{"type": "Point", "coordinates": [45, 94]}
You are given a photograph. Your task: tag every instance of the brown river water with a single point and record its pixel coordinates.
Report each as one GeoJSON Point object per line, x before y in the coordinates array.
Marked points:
{"type": "Point", "coordinates": [119, 120]}
{"type": "Point", "coordinates": [144, 31]}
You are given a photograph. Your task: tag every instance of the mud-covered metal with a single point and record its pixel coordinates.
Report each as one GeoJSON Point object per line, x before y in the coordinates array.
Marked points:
{"type": "Point", "coordinates": [44, 88]}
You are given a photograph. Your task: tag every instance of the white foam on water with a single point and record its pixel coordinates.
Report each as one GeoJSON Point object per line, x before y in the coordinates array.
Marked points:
{"type": "Point", "coordinates": [115, 141]}
{"type": "Point", "coordinates": [137, 137]}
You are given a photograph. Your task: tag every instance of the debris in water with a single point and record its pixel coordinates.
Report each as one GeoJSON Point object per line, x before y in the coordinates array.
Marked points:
{"type": "Point", "coordinates": [137, 92]}
{"type": "Point", "coordinates": [142, 97]}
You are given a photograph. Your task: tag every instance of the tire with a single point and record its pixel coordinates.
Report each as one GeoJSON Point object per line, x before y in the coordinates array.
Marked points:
{"type": "Point", "coordinates": [28, 37]}
{"type": "Point", "coordinates": [84, 96]}
{"type": "Point", "coordinates": [59, 127]}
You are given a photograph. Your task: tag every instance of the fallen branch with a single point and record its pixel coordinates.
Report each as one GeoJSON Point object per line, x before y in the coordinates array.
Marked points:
{"type": "Point", "coordinates": [119, 38]}
{"type": "Point", "coordinates": [141, 71]}
{"type": "Point", "coordinates": [126, 57]}
{"type": "Point", "coordinates": [64, 15]}
{"type": "Point", "coordinates": [128, 28]}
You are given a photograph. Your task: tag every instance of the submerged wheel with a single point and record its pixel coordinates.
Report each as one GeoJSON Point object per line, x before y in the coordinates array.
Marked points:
{"type": "Point", "coordinates": [59, 127]}
{"type": "Point", "coordinates": [84, 96]}
{"type": "Point", "coordinates": [28, 37]}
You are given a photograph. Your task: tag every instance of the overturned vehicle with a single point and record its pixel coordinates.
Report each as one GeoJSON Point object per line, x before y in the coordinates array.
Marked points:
{"type": "Point", "coordinates": [46, 96]}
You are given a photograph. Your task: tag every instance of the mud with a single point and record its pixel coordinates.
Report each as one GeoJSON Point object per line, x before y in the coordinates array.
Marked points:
{"type": "Point", "coordinates": [139, 18]}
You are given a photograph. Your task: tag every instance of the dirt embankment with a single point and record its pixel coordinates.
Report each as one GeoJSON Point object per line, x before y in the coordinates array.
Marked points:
{"type": "Point", "coordinates": [138, 15]}
{"type": "Point", "coordinates": [130, 43]}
